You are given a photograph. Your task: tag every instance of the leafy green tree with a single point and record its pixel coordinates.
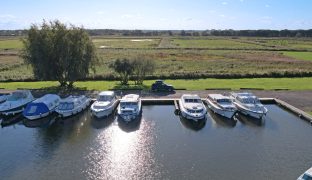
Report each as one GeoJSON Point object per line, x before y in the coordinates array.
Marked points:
{"type": "Point", "coordinates": [142, 66]}
{"type": "Point", "coordinates": [124, 67]}
{"type": "Point", "coordinates": [59, 52]}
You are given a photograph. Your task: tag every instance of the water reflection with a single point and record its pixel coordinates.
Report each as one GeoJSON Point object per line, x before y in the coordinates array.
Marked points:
{"type": "Point", "coordinates": [244, 119]}
{"type": "Point", "coordinates": [120, 154]}
{"type": "Point", "coordinates": [193, 125]}
{"type": "Point", "coordinates": [11, 120]}
{"type": "Point", "coordinates": [129, 126]}
{"type": "Point", "coordinates": [102, 123]}
{"type": "Point", "coordinates": [43, 122]}
{"type": "Point", "coordinates": [222, 121]}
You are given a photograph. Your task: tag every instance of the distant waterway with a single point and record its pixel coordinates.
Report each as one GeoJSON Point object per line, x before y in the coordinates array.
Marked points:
{"type": "Point", "coordinates": [160, 145]}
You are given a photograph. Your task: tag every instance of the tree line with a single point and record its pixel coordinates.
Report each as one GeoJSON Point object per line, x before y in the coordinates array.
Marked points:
{"type": "Point", "coordinates": [213, 32]}
{"type": "Point", "coordinates": [66, 54]}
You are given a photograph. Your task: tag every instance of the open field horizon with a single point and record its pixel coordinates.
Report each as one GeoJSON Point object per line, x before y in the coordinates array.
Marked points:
{"type": "Point", "coordinates": [185, 57]}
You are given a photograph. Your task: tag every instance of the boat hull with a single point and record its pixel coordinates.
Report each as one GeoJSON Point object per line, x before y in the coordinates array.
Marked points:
{"type": "Point", "coordinates": [104, 112]}
{"type": "Point", "coordinates": [78, 109]}
{"type": "Point", "coordinates": [252, 114]}
{"type": "Point", "coordinates": [225, 113]}
{"type": "Point", "coordinates": [39, 116]}
{"type": "Point", "coordinates": [14, 111]}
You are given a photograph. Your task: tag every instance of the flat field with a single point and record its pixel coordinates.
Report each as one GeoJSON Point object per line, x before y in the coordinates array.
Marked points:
{"type": "Point", "coordinates": [185, 57]}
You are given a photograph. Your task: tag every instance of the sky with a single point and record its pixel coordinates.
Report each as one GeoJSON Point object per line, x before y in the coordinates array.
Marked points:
{"type": "Point", "coordinates": [160, 14]}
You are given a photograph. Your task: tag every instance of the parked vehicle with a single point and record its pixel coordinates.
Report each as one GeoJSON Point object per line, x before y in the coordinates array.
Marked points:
{"type": "Point", "coordinates": [306, 175]}
{"type": "Point", "coordinates": [130, 107]}
{"type": "Point", "coordinates": [72, 105]}
{"type": "Point", "coordinates": [192, 107]}
{"type": "Point", "coordinates": [159, 85]}
{"type": "Point", "coordinates": [248, 104]}
{"type": "Point", "coordinates": [16, 102]}
{"type": "Point", "coordinates": [41, 107]}
{"type": "Point", "coordinates": [221, 105]}
{"type": "Point", "coordinates": [3, 97]}
{"type": "Point", "coordinates": [105, 104]}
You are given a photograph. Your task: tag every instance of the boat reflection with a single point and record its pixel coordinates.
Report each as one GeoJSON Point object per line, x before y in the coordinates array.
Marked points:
{"type": "Point", "coordinates": [101, 123]}
{"type": "Point", "coordinates": [43, 122]}
{"type": "Point", "coordinates": [193, 125]}
{"type": "Point", "coordinates": [249, 120]}
{"type": "Point", "coordinates": [222, 121]}
{"type": "Point", "coordinates": [11, 120]}
{"type": "Point", "coordinates": [131, 126]}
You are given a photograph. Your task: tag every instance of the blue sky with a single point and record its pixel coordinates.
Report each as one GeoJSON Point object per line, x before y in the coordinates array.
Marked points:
{"type": "Point", "coordinates": [160, 14]}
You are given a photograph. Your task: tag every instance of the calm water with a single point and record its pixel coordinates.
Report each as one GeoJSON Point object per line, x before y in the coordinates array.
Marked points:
{"type": "Point", "coordinates": [159, 146]}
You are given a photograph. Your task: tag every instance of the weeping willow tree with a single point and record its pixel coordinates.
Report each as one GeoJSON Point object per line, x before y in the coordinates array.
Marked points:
{"type": "Point", "coordinates": [59, 52]}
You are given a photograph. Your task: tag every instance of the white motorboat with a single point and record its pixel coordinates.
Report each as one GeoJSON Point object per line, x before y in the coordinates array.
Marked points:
{"type": "Point", "coordinates": [306, 175]}
{"type": "Point", "coordinates": [16, 102]}
{"type": "Point", "coordinates": [192, 107]}
{"type": "Point", "coordinates": [41, 107]}
{"type": "Point", "coordinates": [129, 107]}
{"type": "Point", "coordinates": [105, 104]}
{"type": "Point", "coordinates": [4, 97]}
{"type": "Point", "coordinates": [72, 105]}
{"type": "Point", "coordinates": [248, 104]}
{"type": "Point", "coordinates": [221, 105]}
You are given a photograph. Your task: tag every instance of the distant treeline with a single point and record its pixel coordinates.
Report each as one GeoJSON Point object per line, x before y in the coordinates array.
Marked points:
{"type": "Point", "coordinates": [247, 33]}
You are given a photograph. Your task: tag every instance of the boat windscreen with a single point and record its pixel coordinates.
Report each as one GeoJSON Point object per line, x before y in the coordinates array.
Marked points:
{"type": "Point", "coordinates": [32, 109]}
{"type": "Point", "coordinates": [128, 103]}
{"type": "Point", "coordinates": [66, 106]}
{"type": "Point", "coordinates": [105, 98]}
{"type": "Point", "coordinates": [192, 100]}
{"type": "Point", "coordinates": [224, 101]}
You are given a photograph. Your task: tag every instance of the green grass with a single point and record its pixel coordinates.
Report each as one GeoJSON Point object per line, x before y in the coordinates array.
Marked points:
{"type": "Point", "coordinates": [212, 43]}
{"type": "Point", "coordinates": [200, 84]}
{"type": "Point", "coordinates": [10, 44]}
{"type": "Point", "coordinates": [299, 55]}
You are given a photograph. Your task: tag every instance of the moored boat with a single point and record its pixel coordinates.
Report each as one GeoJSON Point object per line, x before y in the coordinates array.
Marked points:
{"type": "Point", "coordinates": [130, 107]}
{"type": "Point", "coordinates": [41, 107]}
{"type": "Point", "coordinates": [105, 104]}
{"type": "Point", "coordinates": [248, 104]}
{"type": "Point", "coordinates": [3, 97]}
{"type": "Point", "coordinates": [16, 102]}
{"type": "Point", "coordinates": [306, 175]}
{"type": "Point", "coordinates": [192, 107]}
{"type": "Point", "coordinates": [72, 105]}
{"type": "Point", "coordinates": [221, 105]}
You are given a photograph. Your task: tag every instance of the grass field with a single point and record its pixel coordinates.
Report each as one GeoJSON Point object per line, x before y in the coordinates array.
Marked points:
{"type": "Point", "coordinates": [200, 84]}
{"type": "Point", "coordinates": [300, 55]}
{"type": "Point", "coordinates": [184, 57]}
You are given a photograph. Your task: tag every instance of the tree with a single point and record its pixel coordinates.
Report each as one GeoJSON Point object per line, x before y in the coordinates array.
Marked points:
{"type": "Point", "coordinates": [124, 68]}
{"type": "Point", "coordinates": [141, 67]}
{"type": "Point", "coordinates": [58, 52]}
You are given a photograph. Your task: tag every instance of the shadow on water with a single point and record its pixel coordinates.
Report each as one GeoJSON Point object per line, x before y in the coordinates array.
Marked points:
{"type": "Point", "coordinates": [131, 126]}
{"type": "Point", "coordinates": [11, 120]}
{"type": "Point", "coordinates": [244, 119]}
{"type": "Point", "coordinates": [222, 121]}
{"type": "Point", "coordinates": [101, 123]}
{"type": "Point", "coordinates": [193, 125]}
{"type": "Point", "coordinates": [42, 123]}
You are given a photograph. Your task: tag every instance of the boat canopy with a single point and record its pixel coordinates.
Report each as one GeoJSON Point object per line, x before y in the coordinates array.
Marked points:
{"type": "Point", "coordinates": [42, 105]}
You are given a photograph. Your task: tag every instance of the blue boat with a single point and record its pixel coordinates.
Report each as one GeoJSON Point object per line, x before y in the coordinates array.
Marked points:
{"type": "Point", "coordinates": [41, 107]}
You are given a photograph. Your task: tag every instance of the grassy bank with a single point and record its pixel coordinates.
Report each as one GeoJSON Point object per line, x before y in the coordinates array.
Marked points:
{"type": "Point", "coordinates": [200, 84]}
